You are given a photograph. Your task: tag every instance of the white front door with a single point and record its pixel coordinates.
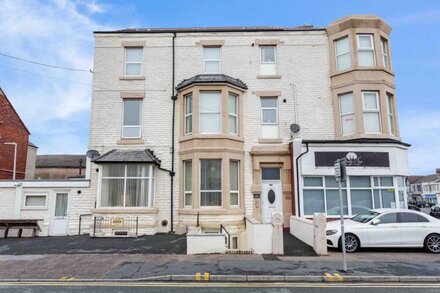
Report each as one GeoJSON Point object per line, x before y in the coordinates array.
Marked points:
{"type": "Point", "coordinates": [60, 221]}
{"type": "Point", "coordinates": [272, 200]}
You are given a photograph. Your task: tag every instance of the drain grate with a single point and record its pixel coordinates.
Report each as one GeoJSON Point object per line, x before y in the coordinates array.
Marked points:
{"type": "Point", "coordinates": [270, 257]}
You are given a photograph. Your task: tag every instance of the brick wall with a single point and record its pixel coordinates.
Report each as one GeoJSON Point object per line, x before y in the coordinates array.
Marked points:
{"type": "Point", "coordinates": [11, 129]}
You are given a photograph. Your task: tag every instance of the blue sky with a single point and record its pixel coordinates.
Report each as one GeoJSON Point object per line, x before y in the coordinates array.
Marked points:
{"type": "Point", "coordinates": [55, 103]}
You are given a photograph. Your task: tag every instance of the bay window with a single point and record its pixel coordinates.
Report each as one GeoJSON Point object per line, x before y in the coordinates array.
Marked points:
{"type": "Point", "coordinates": [371, 111]}
{"type": "Point", "coordinates": [132, 120]}
{"type": "Point", "coordinates": [233, 113]}
{"type": "Point", "coordinates": [365, 50]}
{"type": "Point", "coordinates": [210, 182]}
{"type": "Point", "coordinates": [385, 57]}
{"type": "Point", "coordinates": [347, 113]}
{"type": "Point", "coordinates": [211, 59]}
{"type": "Point", "coordinates": [133, 61]}
{"type": "Point", "coordinates": [343, 56]}
{"type": "Point", "coordinates": [210, 112]}
{"type": "Point", "coordinates": [188, 113]}
{"type": "Point", "coordinates": [127, 185]}
{"type": "Point", "coordinates": [390, 104]}
{"type": "Point", "coordinates": [187, 171]}
{"type": "Point", "coordinates": [234, 194]}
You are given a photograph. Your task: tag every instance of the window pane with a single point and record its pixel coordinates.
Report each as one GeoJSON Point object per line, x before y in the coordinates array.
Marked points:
{"type": "Point", "coordinates": [370, 101]}
{"type": "Point", "coordinates": [388, 219]}
{"type": "Point", "coordinates": [313, 201]}
{"type": "Point", "coordinates": [270, 173]}
{"type": "Point", "coordinates": [188, 124]}
{"type": "Point", "coordinates": [371, 122]}
{"type": "Point", "coordinates": [210, 123]}
{"type": "Point", "coordinates": [188, 175]}
{"type": "Point", "coordinates": [333, 202]}
{"type": "Point", "coordinates": [342, 46]}
{"type": "Point", "coordinates": [210, 177]}
{"type": "Point", "coordinates": [233, 124]}
{"type": "Point", "coordinates": [346, 103]}
{"type": "Point", "coordinates": [35, 201]}
{"type": "Point", "coordinates": [112, 192]}
{"type": "Point", "coordinates": [388, 200]}
{"type": "Point", "coordinates": [330, 181]}
{"type": "Point", "coordinates": [210, 198]}
{"type": "Point", "coordinates": [269, 116]}
{"type": "Point", "coordinates": [138, 170]}
{"type": "Point", "coordinates": [313, 181]}
{"type": "Point", "coordinates": [377, 199]}
{"type": "Point", "coordinates": [366, 58]}
{"type": "Point", "coordinates": [133, 54]}
{"type": "Point", "coordinates": [268, 102]}
{"type": "Point", "coordinates": [136, 193]}
{"type": "Point", "coordinates": [361, 201]}
{"type": "Point", "coordinates": [133, 69]}
{"type": "Point", "coordinates": [61, 204]}
{"type": "Point", "coordinates": [212, 52]}
{"type": "Point", "coordinates": [365, 42]}
{"type": "Point", "coordinates": [234, 199]}
{"type": "Point", "coordinates": [348, 124]}
{"type": "Point", "coordinates": [188, 104]}
{"type": "Point", "coordinates": [400, 181]}
{"type": "Point", "coordinates": [188, 199]}
{"type": "Point", "coordinates": [210, 102]}
{"type": "Point", "coordinates": [233, 175]}
{"type": "Point", "coordinates": [128, 132]}
{"type": "Point", "coordinates": [232, 104]}
{"type": "Point", "coordinates": [132, 112]}
{"type": "Point", "coordinates": [343, 61]}
{"type": "Point", "coordinates": [268, 54]}
{"type": "Point", "coordinates": [386, 181]}
{"type": "Point", "coordinates": [212, 66]}
{"type": "Point", "coordinates": [113, 170]}
{"type": "Point", "coordinates": [360, 181]}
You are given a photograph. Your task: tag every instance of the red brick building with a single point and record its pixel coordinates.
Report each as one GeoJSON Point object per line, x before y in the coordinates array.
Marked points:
{"type": "Point", "coordinates": [12, 129]}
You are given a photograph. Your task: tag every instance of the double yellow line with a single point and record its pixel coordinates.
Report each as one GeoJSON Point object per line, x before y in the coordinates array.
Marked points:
{"type": "Point", "coordinates": [334, 278]}
{"type": "Point", "coordinates": [205, 277]}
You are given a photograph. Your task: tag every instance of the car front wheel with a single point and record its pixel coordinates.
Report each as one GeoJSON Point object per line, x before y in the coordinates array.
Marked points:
{"type": "Point", "coordinates": [432, 243]}
{"type": "Point", "coordinates": [352, 243]}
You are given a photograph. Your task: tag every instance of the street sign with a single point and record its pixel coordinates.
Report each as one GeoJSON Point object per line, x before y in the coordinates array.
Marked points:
{"type": "Point", "coordinates": [341, 170]}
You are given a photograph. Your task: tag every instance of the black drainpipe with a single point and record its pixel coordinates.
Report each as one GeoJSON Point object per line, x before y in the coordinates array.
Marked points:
{"type": "Point", "coordinates": [174, 98]}
{"type": "Point", "coordinates": [297, 178]}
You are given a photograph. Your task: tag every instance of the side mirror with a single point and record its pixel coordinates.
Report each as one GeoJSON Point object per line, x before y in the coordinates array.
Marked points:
{"type": "Point", "coordinates": [375, 222]}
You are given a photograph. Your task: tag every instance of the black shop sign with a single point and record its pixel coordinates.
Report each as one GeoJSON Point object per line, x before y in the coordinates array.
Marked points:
{"type": "Point", "coordinates": [354, 159]}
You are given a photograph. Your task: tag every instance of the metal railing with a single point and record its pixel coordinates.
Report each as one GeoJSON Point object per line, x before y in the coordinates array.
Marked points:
{"type": "Point", "coordinates": [227, 238]}
{"type": "Point", "coordinates": [115, 226]}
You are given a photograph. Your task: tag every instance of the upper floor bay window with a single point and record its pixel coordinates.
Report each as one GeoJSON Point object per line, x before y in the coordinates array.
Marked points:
{"type": "Point", "coordinates": [133, 61]}
{"type": "Point", "coordinates": [234, 180]}
{"type": "Point", "coordinates": [132, 120]}
{"type": "Point", "coordinates": [211, 59]}
{"type": "Point", "coordinates": [343, 55]}
{"type": "Point", "coordinates": [210, 183]}
{"type": "Point", "coordinates": [390, 105]}
{"type": "Point", "coordinates": [269, 117]}
{"type": "Point", "coordinates": [210, 112]}
{"type": "Point", "coordinates": [268, 60]}
{"type": "Point", "coordinates": [188, 113]}
{"type": "Point", "coordinates": [365, 50]}
{"type": "Point", "coordinates": [127, 185]}
{"type": "Point", "coordinates": [385, 57]}
{"type": "Point", "coordinates": [187, 171]}
{"type": "Point", "coordinates": [347, 112]}
{"type": "Point", "coordinates": [371, 111]}
{"type": "Point", "coordinates": [233, 113]}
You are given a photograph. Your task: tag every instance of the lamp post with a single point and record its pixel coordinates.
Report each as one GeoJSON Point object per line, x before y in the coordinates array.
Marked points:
{"type": "Point", "coordinates": [15, 157]}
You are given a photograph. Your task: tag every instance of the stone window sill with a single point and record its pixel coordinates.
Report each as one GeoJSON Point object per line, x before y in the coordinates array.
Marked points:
{"type": "Point", "coordinates": [270, 140]}
{"type": "Point", "coordinates": [132, 78]}
{"type": "Point", "coordinates": [130, 142]}
{"type": "Point", "coordinates": [211, 211]}
{"type": "Point", "coordinates": [128, 210]}
{"type": "Point", "coordinates": [275, 76]}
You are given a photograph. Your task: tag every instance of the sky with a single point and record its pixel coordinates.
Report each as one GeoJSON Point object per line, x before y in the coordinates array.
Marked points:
{"type": "Point", "coordinates": [55, 103]}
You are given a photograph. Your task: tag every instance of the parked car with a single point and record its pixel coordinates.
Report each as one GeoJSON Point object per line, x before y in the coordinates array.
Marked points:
{"type": "Point", "coordinates": [422, 204]}
{"type": "Point", "coordinates": [435, 212]}
{"type": "Point", "coordinates": [413, 207]}
{"type": "Point", "coordinates": [386, 228]}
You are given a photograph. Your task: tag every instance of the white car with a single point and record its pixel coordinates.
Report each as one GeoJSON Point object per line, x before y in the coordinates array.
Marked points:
{"type": "Point", "coordinates": [386, 228]}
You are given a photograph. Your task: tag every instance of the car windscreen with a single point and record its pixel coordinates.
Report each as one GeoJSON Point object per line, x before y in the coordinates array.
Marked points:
{"type": "Point", "coordinates": [365, 216]}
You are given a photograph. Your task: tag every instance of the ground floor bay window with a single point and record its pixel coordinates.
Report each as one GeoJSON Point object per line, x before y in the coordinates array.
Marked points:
{"type": "Point", "coordinates": [127, 185]}
{"type": "Point", "coordinates": [359, 193]}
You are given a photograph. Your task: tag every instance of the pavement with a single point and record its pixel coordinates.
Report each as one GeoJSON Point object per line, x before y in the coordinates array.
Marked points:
{"type": "Point", "coordinates": [162, 258]}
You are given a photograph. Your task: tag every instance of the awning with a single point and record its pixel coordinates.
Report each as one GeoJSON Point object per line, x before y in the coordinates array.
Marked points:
{"type": "Point", "coordinates": [128, 156]}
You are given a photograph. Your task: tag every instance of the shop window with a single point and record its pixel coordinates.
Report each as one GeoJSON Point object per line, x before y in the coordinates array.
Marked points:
{"type": "Point", "coordinates": [132, 119]}
{"type": "Point", "coordinates": [210, 182]}
{"type": "Point", "coordinates": [268, 60]}
{"type": "Point", "coordinates": [211, 59]}
{"type": "Point", "coordinates": [343, 56]}
{"type": "Point", "coordinates": [365, 50]}
{"type": "Point", "coordinates": [188, 183]}
{"type": "Point", "coordinates": [210, 112]}
{"type": "Point", "coordinates": [371, 111]}
{"type": "Point", "coordinates": [133, 61]}
{"type": "Point", "coordinates": [188, 113]}
{"type": "Point", "coordinates": [347, 112]}
{"type": "Point", "coordinates": [127, 185]}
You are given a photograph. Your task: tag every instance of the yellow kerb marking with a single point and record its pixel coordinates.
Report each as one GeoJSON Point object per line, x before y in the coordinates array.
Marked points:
{"type": "Point", "coordinates": [330, 277]}
{"type": "Point", "coordinates": [206, 276]}
{"type": "Point", "coordinates": [197, 276]}
{"type": "Point", "coordinates": [339, 278]}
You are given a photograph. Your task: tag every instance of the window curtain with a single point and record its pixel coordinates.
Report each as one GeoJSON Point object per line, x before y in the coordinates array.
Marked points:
{"type": "Point", "coordinates": [211, 183]}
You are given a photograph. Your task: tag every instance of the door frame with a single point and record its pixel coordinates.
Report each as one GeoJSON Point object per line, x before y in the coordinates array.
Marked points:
{"type": "Point", "coordinates": [271, 181]}
{"type": "Point", "coordinates": [52, 211]}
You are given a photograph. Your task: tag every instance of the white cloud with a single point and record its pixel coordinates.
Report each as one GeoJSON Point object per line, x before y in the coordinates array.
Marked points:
{"type": "Point", "coordinates": [424, 17]}
{"type": "Point", "coordinates": [54, 32]}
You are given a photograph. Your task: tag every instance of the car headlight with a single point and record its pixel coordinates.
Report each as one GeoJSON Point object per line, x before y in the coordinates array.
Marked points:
{"type": "Point", "coordinates": [331, 232]}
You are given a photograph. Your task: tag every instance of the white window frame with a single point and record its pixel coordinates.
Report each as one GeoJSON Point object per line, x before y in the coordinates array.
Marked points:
{"type": "Point", "coordinates": [343, 53]}
{"type": "Point", "coordinates": [151, 188]}
{"type": "Point", "coordinates": [342, 115]}
{"type": "Point", "coordinates": [204, 190]}
{"type": "Point", "coordinates": [269, 108]}
{"type": "Point", "coordinates": [31, 194]}
{"type": "Point", "coordinates": [391, 111]}
{"type": "Point", "coordinates": [233, 114]}
{"type": "Point", "coordinates": [212, 60]}
{"type": "Point", "coordinates": [372, 110]}
{"type": "Point", "coordinates": [274, 54]}
{"type": "Point", "coordinates": [186, 97]}
{"type": "Point", "coordinates": [139, 62]}
{"type": "Point", "coordinates": [238, 185]}
{"type": "Point", "coordinates": [132, 126]}
{"type": "Point", "coordinates": [185, 192]}
{"type": "Point", "coordinates": [385, 52]}
{"type": "Point", "coordinates": [210, 112]}
{"type": "Point", "coordinates": [370, 49]}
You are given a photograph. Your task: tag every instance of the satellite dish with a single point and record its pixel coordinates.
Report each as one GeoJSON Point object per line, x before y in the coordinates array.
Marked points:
{"type": "Point", "coordinates": [295, 128]}
{"type": "Point", "coordinates": [92, 154]}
